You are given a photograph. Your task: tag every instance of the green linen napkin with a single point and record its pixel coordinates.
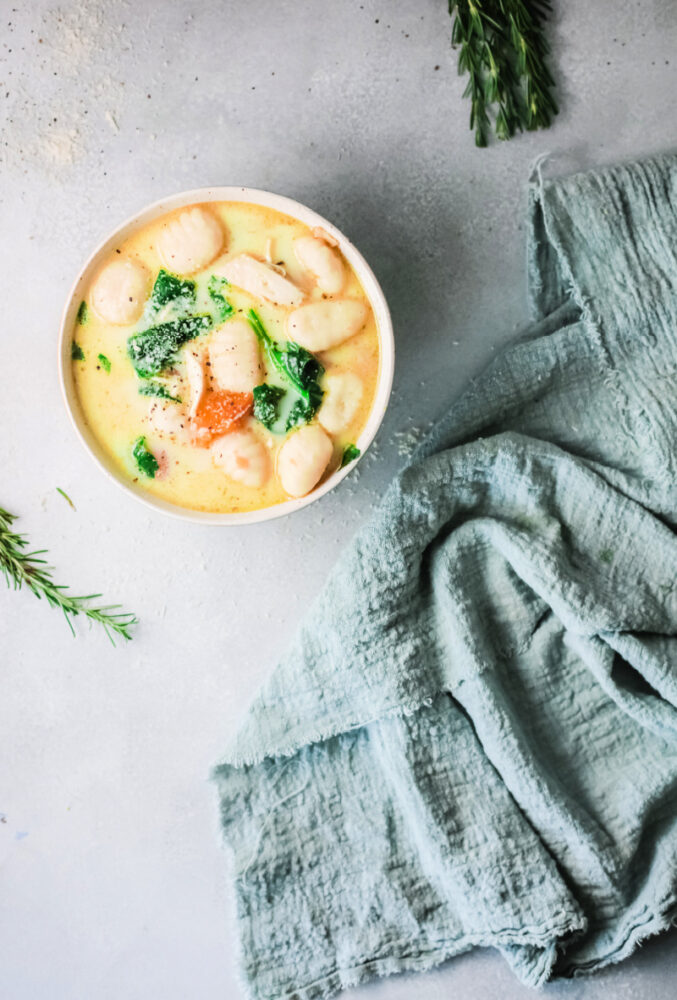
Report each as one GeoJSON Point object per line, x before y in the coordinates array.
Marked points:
{"type": "Point", "coordinates": [473, 739]}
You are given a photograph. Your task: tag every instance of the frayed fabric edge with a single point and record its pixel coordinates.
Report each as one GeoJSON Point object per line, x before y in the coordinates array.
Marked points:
{"type": "Point", "coordinates": [242, 760]}
{"type": "Point", "coordinates": [639, 927]}
{"type": "Point", "coordinates": [534, 975]}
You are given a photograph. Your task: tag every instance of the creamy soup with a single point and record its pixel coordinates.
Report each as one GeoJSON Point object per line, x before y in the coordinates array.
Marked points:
{"type": "Point", "coordinates": [226, 357]}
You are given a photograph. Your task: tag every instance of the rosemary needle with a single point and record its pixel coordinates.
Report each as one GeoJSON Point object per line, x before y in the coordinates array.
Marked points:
{"type": "Point", "coordinates": [22, 568]}
{"type": "Point", "coordinates": [66, 497]}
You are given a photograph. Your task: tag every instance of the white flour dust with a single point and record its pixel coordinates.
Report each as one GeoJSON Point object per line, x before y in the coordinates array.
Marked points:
{"type": "Point", "coordinates": [50, 121]}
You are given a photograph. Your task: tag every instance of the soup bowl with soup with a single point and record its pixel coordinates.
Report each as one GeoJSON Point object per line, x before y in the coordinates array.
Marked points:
{"type": "Point", "coordinates": [226, 355]}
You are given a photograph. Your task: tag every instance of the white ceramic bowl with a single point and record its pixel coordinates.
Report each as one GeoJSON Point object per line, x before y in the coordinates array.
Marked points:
{"type": "Point", "coordinates": [249, 196]}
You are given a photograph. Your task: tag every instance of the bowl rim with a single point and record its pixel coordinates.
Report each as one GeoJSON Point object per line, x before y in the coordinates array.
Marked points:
{"type": "Point", "coordinates": [247, 195]}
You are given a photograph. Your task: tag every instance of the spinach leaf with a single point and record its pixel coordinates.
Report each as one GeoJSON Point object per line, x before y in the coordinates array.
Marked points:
{"type": "Point", "coordinates": [170, 288]}
{"type": "Point", "coordinates": [266, 400]}
{"type": "Point", "coordinates": [350, 453]}
{"type": "Point", "coordinates": [104, 362]}
{"type": "Point", "coordinates": [81, 317]}
{"type": "Point", "coordinates": [77, 354]}
{"type": "Point", "coordinates": [154, 349]}
{"type": "Point", "coordinates": [146, 461]}
{"type": "Point", "coordinates": [299, 367]}
{"type": "Point", "coordinates": [215, 288]}
{"type": "Point", "coordinates": [303, 410]}
{"type": "Point", "coordinates": [152, 388]}
{"type": "Point", "coordinates": [301, 364]}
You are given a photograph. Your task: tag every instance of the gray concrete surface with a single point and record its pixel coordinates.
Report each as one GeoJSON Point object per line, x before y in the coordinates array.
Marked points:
{"type": "Point", "coordinates": [113, 883]}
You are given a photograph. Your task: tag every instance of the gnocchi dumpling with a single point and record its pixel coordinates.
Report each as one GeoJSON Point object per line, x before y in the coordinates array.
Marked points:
{"type": "Point", "coordinates": [243, 457]}
{"type": "Point", "coordinates": [342, 397]}
{"type": "Point", "coordinates": [119, 291]}
{"type": "Point", "coordinates": [319, 326]}
{"type": "Point", "coordinates": [303, 458]}
{"type": "Point", "coordinates": [169, 420]}
{"type": "Point", "coordinates": [234, 357]}
{"type": "Point", "coordinates": [190, 240]}
{"type": "Point", "coordinates": [323, 262]}
{"type": "Point", "coordinates": [260, 280]}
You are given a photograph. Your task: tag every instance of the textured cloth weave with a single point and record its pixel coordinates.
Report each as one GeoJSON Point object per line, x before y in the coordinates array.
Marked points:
{"type": "Point", "coordinates": [473, 739]}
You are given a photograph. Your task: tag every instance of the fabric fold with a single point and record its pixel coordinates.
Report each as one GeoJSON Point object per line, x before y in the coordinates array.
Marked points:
{"type": "Point", "coordinates": [473, 738]}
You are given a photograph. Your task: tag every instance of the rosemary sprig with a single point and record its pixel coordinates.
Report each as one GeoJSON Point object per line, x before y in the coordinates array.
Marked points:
{"type": "Point", "coordinates": [22, 568]}
{"type": "Point", "coordinates": [503, 50]}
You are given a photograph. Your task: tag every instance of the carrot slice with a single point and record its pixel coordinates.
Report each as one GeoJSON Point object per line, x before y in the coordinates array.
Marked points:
{"type": "Point", "coordinates": [218, 413]}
